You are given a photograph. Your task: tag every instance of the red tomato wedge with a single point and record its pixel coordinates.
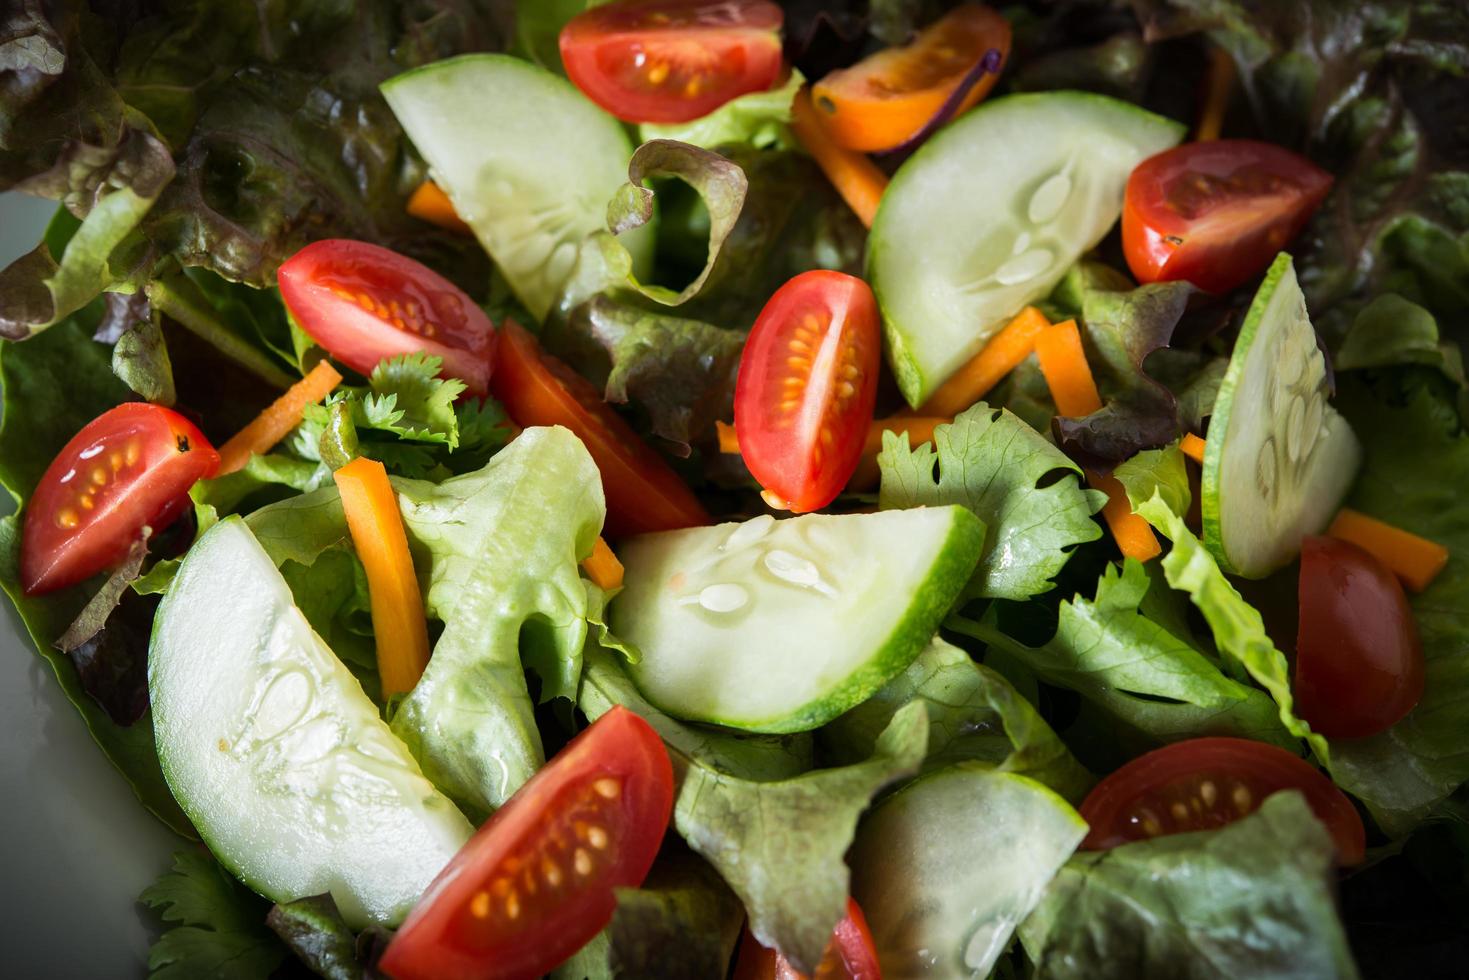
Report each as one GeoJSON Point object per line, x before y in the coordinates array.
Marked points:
{"type": "Point", "coordinates": [1206, 783]}
{"type": "Point", "coordinates": [131, 466]}
{"type": "Point", "coordinates": [669, 61]}
{"type": "Point", "coordinates": [807, 386]}
{"type": "Point", "coordinates": [643, 494]}
{"type": "Point", "coordinates": [364, 303]}
{"type": "Point", "coordinates": [1216, 214]}
{"type": "Point", "coordinates": [537, 880]}
{"type": "Point", "coordinates": [850, 955]}
{"type": "Point", "coordinates": [889, 97]}
{"type": "Point", "coordinates": [1359, 665]}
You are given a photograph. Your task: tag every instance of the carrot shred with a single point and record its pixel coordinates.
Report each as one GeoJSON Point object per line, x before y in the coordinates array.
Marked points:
{"type": "Point", "coordinates": [1218, 84]}
{"type": "Point", "coordinates": [431, 204]}
{"type": "Point", "coordinates": [999, 357]}
{"type": "Point", "coordinates": [1063, 362]}
{"type": "Point", "coordinates": [377, 530]}
{"type": "Point", "coordinates": [278, 419]}
{"type": "Point", "coordinates": [1134, 536]}
{"type": "Point", "coordinates": [1417, 561]}
{"type": "Point", "coordinates": [919, 428]}
{"type": "Point", "coordinates": [856, 178]}
{"type": "Point", "coordinates": [729, 440]}
{"type": "Point", "coordinates": [602, 567]}
{"type": "Point", "coordinates": [1193, 448]}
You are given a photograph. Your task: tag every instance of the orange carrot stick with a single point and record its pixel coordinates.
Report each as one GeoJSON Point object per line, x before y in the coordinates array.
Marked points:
{"type": "Point", "coordinates": [729, 440]}
{"type": "Point", "coordinates": [1218, 84]}
{"type": "Point", "coordinates": [1417, 561]}
{"type": "Point", "coordinates": [1134, 536]}
{"type": "Point", "coordinates": [999, 357]}
{"type": "Point", "coordinates": [919, 429]}
{"type": "Point", "coordinates": [277, 421]}
{"type": "Point", "coordinates": [1193, 448]}
{"type": "Point", "coordinates": [856, 178]}
{"type": "Point", "coordinates": [1063, 362]}
{"type": "Point", "coordinates": [602, 567]}
{"type": "Point", "coordinates": [431, 204]}
{"type": "Point", "coordinates": [382, 544]}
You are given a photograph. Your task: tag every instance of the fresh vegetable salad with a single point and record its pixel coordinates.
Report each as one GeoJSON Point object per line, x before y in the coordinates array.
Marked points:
{"type": "Point", "coordinates": [677, 488]}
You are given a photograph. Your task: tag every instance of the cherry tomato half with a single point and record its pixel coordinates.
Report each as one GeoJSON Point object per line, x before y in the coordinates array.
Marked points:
{"type": "Point", "coordinates": [131, 466]}
{"type": "Point", "coordinates": [364, 303]}
{"type": "Point", "coordinates": [669, 61]}
{"type": "Point", "coordinates": [1359, 666]}
{"type": "Point", "coordinates": [850, 955]}
{"type": "Point", "coordinates": [1206, 783]}
{"type": "Point", "coordinates": [643, 494]}
{"type": "Point", "coordinates": [887, 98]}
{"type": "Point", "coordinates": [1216, 213]}
{"type": "Point", "coordinates": [807, 386]}
{"type": "Point", "coordinates": [537, 880]}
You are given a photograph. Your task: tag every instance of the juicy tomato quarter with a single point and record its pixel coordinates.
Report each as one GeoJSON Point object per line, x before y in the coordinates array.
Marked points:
{"type": "Point", "coordinates": [890, 97]}
{"type": "Point", "coordinates": [129, 467]}
{"type": "Point", "coordinates": [807, 386]}
{"type": "Point", "coordinates": [1359, 665]}
{"type": "Point", "coordinates": [1206, 783]}
{"type": "Point", "coordinates": [536, 881]}
{"type": "Point", "coordinates": [850, 955]}
{"type": "Point", "coordinates": [669, 61]}
{"type": "Point", "coordinates": [1216, 213]}
{"type": "Point", "coordinates": [363, 303]}
{"type": "Point", "coordinates": [643, 493]}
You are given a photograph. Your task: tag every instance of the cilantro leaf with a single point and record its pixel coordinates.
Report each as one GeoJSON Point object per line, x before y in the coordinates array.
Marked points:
{"type": "Point", "coordinates": [219, 929]}
{"type": "Point", "coordinates": [410, 400]}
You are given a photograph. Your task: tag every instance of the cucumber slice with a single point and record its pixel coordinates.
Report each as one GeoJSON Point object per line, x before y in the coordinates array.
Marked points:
{"type": "Point", "coordinates": [529, 163]}
{"type": "Point", "coordinates": [947, 867]}
{"type": "Point", "coordinates": [990, 214]}
{"type": "Point", "coordinates": [780, 626]}
{"type": "Point", "coordinates": [1279, 459]}
{"type": "Point", "coordinates": [274, 752]}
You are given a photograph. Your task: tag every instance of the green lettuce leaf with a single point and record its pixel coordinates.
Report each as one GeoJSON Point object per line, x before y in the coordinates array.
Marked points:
{"type": "Point", "coordinates": [1156, 471]}
{"type": "Point", "coordinates": [1253, 899]}
{"type": "Point", "coordinates": [217, 924]}
{"type": "Point", "coordinates": [140, 358]}
{"type": "Point", "coordinates": [994, 464]}
{"type": "Point", "coordinates": [761, 120]}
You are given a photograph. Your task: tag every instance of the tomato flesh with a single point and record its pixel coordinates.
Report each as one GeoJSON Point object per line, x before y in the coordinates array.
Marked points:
{"type": "Point", "coordinates": [889, 97]}
{"type": "Point", "coordinates": [807, 386]}
{"type": "Point", "coordinates": [537, 880]}
{"type": "Point", "coordinates": [1216, 213]}
{"type": "Point", "coordinates": [364, 303]}
{"type": "Point", "coordinates": [1359, 664]}
{"type": "Point", "coordinates": [669, 61]}
{"type": "Point", "coordinates": [850, 955]}
{"type": "Point", "coordinates": [643, 493]}
{"type": "Point", "coordinates": [129, 467]}
{"type": "Point", "coordinates": [1206, 783]}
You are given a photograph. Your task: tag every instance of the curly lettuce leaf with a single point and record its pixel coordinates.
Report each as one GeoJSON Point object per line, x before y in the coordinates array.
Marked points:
{"type": "Point", "coordinates": [994, 464]}
{"type": "Point", "coordinates": [216, 925]}
{"type": "Point", "coordinates": [760, 120]}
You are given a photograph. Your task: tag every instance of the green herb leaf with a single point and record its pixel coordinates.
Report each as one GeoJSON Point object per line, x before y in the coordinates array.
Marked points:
{"type": "Point", "coordinates": [761, 120]}
{"type": "Point", "coordinates": [1156, 471]}
{"type": "Point", "coordinates": [220, 926]}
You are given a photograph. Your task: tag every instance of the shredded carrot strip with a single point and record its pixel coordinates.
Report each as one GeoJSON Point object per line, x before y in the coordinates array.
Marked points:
{"type": "Point", "coordinates": [602, 567]}
{"type": "Point", "coordinates": [1134, 536]}
{"type": "Point", "coordinates": [1417, 561]}
{"type": "Point", "coordinates": [1218, 83]}
{"type": "Point", "coordinates": [431, 204]}
{"type": "Point", "coordinates": [919, 429]}
{"type": "Point", "coordinates": [856, 178]}
{"type": "Point", "coordinates": [1000, 356]}
{"type": "Point", "coordinates": [1063, 362]}
{"type": "Point", "coordinates": [729, 441]}
{"type": "Point", "coordinates": [382, 544]}
{"type": "Point", "coordinates": [1193, 448]}
{"type": "Point", "coordinates": [277, 421]}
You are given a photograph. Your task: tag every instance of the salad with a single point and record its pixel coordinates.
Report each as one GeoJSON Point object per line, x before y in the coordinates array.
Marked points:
{"type": "Point", "coordinates": [704, 488]}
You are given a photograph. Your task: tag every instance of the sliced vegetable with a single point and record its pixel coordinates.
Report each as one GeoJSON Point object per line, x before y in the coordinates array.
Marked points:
{"type": "Point", "coordinates": [671, 61]}
{"type": "Point", "coordinates": [398, 625]}
{"type": "Point", "coordinates": [643, 494]}
{"type": "Point", "coordinates": [1359, 665]}
{"type": "Point", "coordinates": [888, 98]}
{"type": "Point", "coordinates": [1134, 536]}
{"type": "Point", "coordinates": [1219, 79]}
{"type": "Point", "coordinates": [364, 303]}
{"type": "Point", "coordinates": [130, 467]}
{"type": "Point", "coordinates": [1417, 561]}
{"type": "Point", "coordinates": [603, 568]}
{"type": "Point", "coordinates": [849, 956]}
{"type": "Point", "coordinates": [278, 419]}
{"type": "Point", "coordinates": [1215, 214]}
{"type": "Point", "coordinates": [1193, 447]}
{"type": "Point", "coordinates": [1205, 783]}
{"type": "Point", "coordinates": [539, 879]}
{"type": "Point", "coordinates": [856, 178]}
{"type": "Point", "coordinates": [430, 203]}
{"type": "Point", "coordinates": [999, 357]}
{"type": "Point", "coordinates": [807, 384]}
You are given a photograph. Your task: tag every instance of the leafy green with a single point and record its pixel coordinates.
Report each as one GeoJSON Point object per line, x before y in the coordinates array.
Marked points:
{"type": "Point", "coordinates": [219, 925]}
{"type": "Point", "coordinates": [974, 713]}
{"type": "Point", "coordinates": [1253, 899]}
{"type": "Point", "coordinates": [314, 930]}
{"type": "Point", "coordinates": [1391, 332]}
{"type": "Point", "coordinates": [994, 464]}
{"type": "Point", "coordinates": [1156, 471]}
{"type": "Point", "coordinates": [761, 120]}
{"type": "Point", "coordinates": [538, 29]}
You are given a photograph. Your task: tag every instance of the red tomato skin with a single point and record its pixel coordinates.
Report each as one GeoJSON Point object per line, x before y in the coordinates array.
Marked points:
{"type": "Point", "coordinates": [1359, 664]}
{"type": "Point", "coordinates": [340, 292]}
{"type": "Point", "coordinates": [439, 942]}
{"type": "Point", "coordinates": [1215, 214]}
{"type": "Point", "coordinates": [1119, 807]}
{"type": "Point", "coordinates": [160, 455]}
{"type": "Point", "coordinates": [850, 955]}
{"type": "Point", "coordinates": [632, 57]}
{"type": "Point", "coordinates": [803, 443]}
